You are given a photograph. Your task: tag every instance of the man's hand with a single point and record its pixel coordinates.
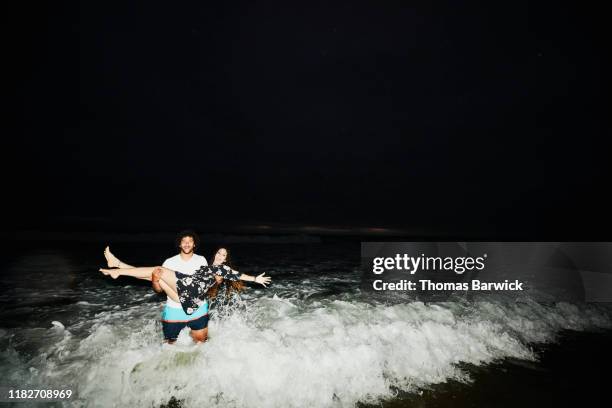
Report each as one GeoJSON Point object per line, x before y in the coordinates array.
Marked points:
{"type": "Point", "coordinates": [155, 277]}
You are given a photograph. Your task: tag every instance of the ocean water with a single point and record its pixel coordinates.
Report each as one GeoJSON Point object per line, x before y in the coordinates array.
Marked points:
{"type": "Point", "coordinates": [311, 339]}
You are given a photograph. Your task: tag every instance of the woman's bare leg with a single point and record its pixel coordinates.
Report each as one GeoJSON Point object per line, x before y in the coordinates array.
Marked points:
{"type": "Point", "coordinates": [167, 276]}
{"type": "Point", "coordinates": [172, 294]}
{"type": "Point", "coordinates": [113, 262]}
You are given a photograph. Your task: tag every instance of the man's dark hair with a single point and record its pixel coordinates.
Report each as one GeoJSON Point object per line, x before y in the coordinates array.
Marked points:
{"type": "Point", "coordinates": [187, 233]}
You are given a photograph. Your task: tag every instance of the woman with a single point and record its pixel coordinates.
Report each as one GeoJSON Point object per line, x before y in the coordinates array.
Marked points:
{"type": "Point", "coordinates": [189, 290]}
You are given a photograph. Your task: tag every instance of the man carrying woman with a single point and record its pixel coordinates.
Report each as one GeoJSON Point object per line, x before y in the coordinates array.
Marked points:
{"type": "Point", "coordinates": [188, 282]}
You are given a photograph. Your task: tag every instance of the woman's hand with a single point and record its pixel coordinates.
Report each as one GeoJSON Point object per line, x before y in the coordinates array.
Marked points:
{"type": "Point", "coordinates": [263, 280]}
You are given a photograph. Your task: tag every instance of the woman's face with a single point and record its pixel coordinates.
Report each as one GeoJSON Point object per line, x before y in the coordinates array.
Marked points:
{"type": "Point", "coordinates": [220, 256]}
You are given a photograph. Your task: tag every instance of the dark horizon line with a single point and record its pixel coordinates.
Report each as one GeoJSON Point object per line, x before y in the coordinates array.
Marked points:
{"type": "Point", "coordinates": [294, 236]}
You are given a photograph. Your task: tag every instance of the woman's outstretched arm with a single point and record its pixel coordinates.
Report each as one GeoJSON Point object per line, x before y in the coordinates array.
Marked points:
{"type": "Point", "coordinates": [228, 273]}
{"type": "Point", "coordinates": [261, 279]}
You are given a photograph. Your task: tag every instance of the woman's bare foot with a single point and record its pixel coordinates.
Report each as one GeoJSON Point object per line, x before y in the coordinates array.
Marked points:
{"type": "Point", "coordinates": [114, 273]}
{"type": "Point", "coordinates": [111, 259]}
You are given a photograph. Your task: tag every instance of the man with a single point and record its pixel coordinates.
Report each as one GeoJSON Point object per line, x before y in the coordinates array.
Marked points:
{"type": "Point", "coordinates": [174, 319]}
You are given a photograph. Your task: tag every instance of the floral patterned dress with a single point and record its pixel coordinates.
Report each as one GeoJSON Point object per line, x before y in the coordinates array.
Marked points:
{"type": "Point", "coordinates": [192, 288]}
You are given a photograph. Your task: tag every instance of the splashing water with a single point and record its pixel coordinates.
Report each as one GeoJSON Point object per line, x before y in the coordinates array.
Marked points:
{"type": "Point", "coordinates": [302, 342]}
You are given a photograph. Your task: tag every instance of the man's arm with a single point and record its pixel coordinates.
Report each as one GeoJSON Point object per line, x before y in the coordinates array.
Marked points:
{"type": "Point", "coordinates": [155, 277]}
{"type": "Point", "coordinates": [155, 282]}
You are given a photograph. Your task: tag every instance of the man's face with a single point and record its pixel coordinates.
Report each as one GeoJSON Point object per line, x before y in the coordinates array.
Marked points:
{"type": "Point", "coordinates": [187, 245]}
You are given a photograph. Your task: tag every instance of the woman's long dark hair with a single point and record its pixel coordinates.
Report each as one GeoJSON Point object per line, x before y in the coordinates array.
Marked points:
{"type": "Point", "coordinates": [238, 285]}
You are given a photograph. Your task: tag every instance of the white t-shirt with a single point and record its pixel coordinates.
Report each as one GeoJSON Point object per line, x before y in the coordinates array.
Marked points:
{"type": "Point", "coordinates": [189, 267]}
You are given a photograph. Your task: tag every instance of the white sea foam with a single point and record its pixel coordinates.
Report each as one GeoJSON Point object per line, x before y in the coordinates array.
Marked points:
{"type": "Point", "coordinates": [309, 340]}
{"type": "Point", "coordinates": [284, 353]}
{"type": "Point", "coordinates": [57, 324]}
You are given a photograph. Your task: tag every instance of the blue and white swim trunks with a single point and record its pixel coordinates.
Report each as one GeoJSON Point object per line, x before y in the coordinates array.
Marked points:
{"type": "Point", "coordinates": [174, 319]}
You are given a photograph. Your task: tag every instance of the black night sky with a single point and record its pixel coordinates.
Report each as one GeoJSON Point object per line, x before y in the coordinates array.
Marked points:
{"type": "Point", "coordinates": [448, 119]}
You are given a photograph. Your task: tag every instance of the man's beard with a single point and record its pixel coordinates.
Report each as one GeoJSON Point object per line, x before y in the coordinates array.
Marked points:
{"type": "Point", "coordinates": [187, 253]}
